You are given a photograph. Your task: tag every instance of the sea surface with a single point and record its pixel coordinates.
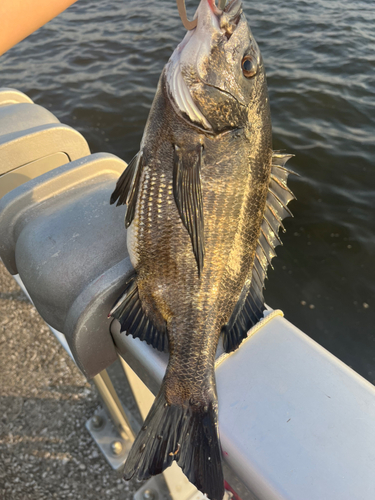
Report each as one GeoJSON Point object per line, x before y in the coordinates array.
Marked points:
{"type": "Point", "coordinates": [96, 68]}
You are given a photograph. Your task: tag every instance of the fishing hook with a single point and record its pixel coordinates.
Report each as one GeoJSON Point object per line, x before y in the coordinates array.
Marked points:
{"type": "Point", "coordinates": [189, 25]}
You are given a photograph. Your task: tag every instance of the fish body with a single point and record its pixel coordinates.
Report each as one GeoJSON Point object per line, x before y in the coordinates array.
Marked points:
{"type": "Point", "coordinates": [198, 193]}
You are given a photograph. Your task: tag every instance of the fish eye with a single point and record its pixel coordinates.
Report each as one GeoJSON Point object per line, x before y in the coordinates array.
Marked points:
{"type": "Point", "coordinates": [249, 67]}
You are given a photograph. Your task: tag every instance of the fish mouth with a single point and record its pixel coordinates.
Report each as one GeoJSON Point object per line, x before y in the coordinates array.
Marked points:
{"type": "Point", "coordinates": [232, 7]}
{"type": "Point", "coordinates": [229, 16]}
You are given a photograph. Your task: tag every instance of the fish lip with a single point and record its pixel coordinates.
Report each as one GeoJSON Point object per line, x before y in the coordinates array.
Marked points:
{"type": "Point", "coordinates": [233, 8]}
{"type": "Point", "coordinates": [233, 5]}
{"type": "Point", "coordinates": [225, 20]}
{"type": "Point", "coordinates": [215, 10]}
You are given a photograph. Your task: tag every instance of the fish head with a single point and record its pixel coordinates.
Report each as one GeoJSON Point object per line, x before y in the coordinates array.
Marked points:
{"type": "Point", "coordinates": [215, 77]}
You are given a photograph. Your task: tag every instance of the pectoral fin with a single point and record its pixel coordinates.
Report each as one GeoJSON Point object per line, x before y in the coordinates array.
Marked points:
{"type": "Point", "coordinates": [188, 197]}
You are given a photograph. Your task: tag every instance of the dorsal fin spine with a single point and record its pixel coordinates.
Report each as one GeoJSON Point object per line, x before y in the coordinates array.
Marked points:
{"type": "Point", "coordinates": [265, 253]}
{"type": "Point", "coordinates": [287, 170]}
{"type": "Point", "coordinates": [277, 218]}
{"type": "Point", "coordinates": [259, 276]}
{"type": "Point", "coordinates": [266, 237]}
{"type": "Point", "coordinates": [281, 203]}
{"type": "Point", "coordinates": [275, 233]}
{"type": "Point", "coordinates": [261, 265]}
{"type": "Point", "coordinates": [264, 243]}
{"type": "Point", "coordinates": [283, 185]}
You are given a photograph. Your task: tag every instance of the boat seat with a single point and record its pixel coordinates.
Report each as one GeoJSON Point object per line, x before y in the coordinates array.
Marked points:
{"type": "Point", "coordinates": [68, 245]}
{"type": "Point", "coordinates": [32, 140]}
{"type": "Point", "coordinates": [57, 227]}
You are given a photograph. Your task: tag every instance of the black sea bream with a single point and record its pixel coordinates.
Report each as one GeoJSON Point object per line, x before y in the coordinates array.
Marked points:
{"type": "Point", "coordinates": [206, 195]}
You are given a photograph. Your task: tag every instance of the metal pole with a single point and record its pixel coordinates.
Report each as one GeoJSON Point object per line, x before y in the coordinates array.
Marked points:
{"type": "Point", "coordinates": [141, 393]}
{"type": "Point", "coordinates": [108, 394]}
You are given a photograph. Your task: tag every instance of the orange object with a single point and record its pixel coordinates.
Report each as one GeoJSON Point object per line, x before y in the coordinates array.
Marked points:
{"type": "Point", "coordinates": [20, 18]}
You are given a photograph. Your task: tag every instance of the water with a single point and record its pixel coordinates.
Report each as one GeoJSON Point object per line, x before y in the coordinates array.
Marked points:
{"type": "Point", "coordinates": [96, 68]}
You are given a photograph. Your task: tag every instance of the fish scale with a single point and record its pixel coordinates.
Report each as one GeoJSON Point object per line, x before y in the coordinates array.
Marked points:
{"type": "Point", "coordinates": [203, 212]}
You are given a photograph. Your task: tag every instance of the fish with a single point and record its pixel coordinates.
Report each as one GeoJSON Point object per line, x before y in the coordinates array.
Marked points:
{"type": "Point", "coordinates": [205, 197]}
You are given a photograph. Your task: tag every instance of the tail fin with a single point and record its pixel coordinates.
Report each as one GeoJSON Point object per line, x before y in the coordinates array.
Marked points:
{"type": "Point", "coordinates": [186, 434]}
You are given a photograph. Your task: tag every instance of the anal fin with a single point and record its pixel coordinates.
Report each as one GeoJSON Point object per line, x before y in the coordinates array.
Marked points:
{"type": "Point", "coordinates": [134, 321]}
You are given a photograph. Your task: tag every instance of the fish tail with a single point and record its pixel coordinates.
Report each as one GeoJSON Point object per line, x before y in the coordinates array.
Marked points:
{"type": "Point", "coordinates": [186, 433]}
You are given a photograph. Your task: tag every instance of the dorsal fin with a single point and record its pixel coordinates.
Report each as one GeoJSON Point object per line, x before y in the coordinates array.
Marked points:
{"type": "Point", "coordinates": [133, 319]}
{"type": "Point", "coordinates": [127, 187]}
{"type": "Point", "coordinates": [250, 306]}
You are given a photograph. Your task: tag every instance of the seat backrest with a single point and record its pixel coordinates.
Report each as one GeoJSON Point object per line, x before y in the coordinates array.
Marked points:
{"type": "Point", "coordinates": [32, 140]}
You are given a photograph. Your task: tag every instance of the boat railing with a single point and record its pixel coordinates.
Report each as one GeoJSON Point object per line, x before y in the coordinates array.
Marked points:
{"type": "Point", "coordinates": [295, 422]}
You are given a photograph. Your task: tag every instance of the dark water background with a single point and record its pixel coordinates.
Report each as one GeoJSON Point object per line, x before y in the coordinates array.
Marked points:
{"type": "Point", "coordinates": [96, 68]}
